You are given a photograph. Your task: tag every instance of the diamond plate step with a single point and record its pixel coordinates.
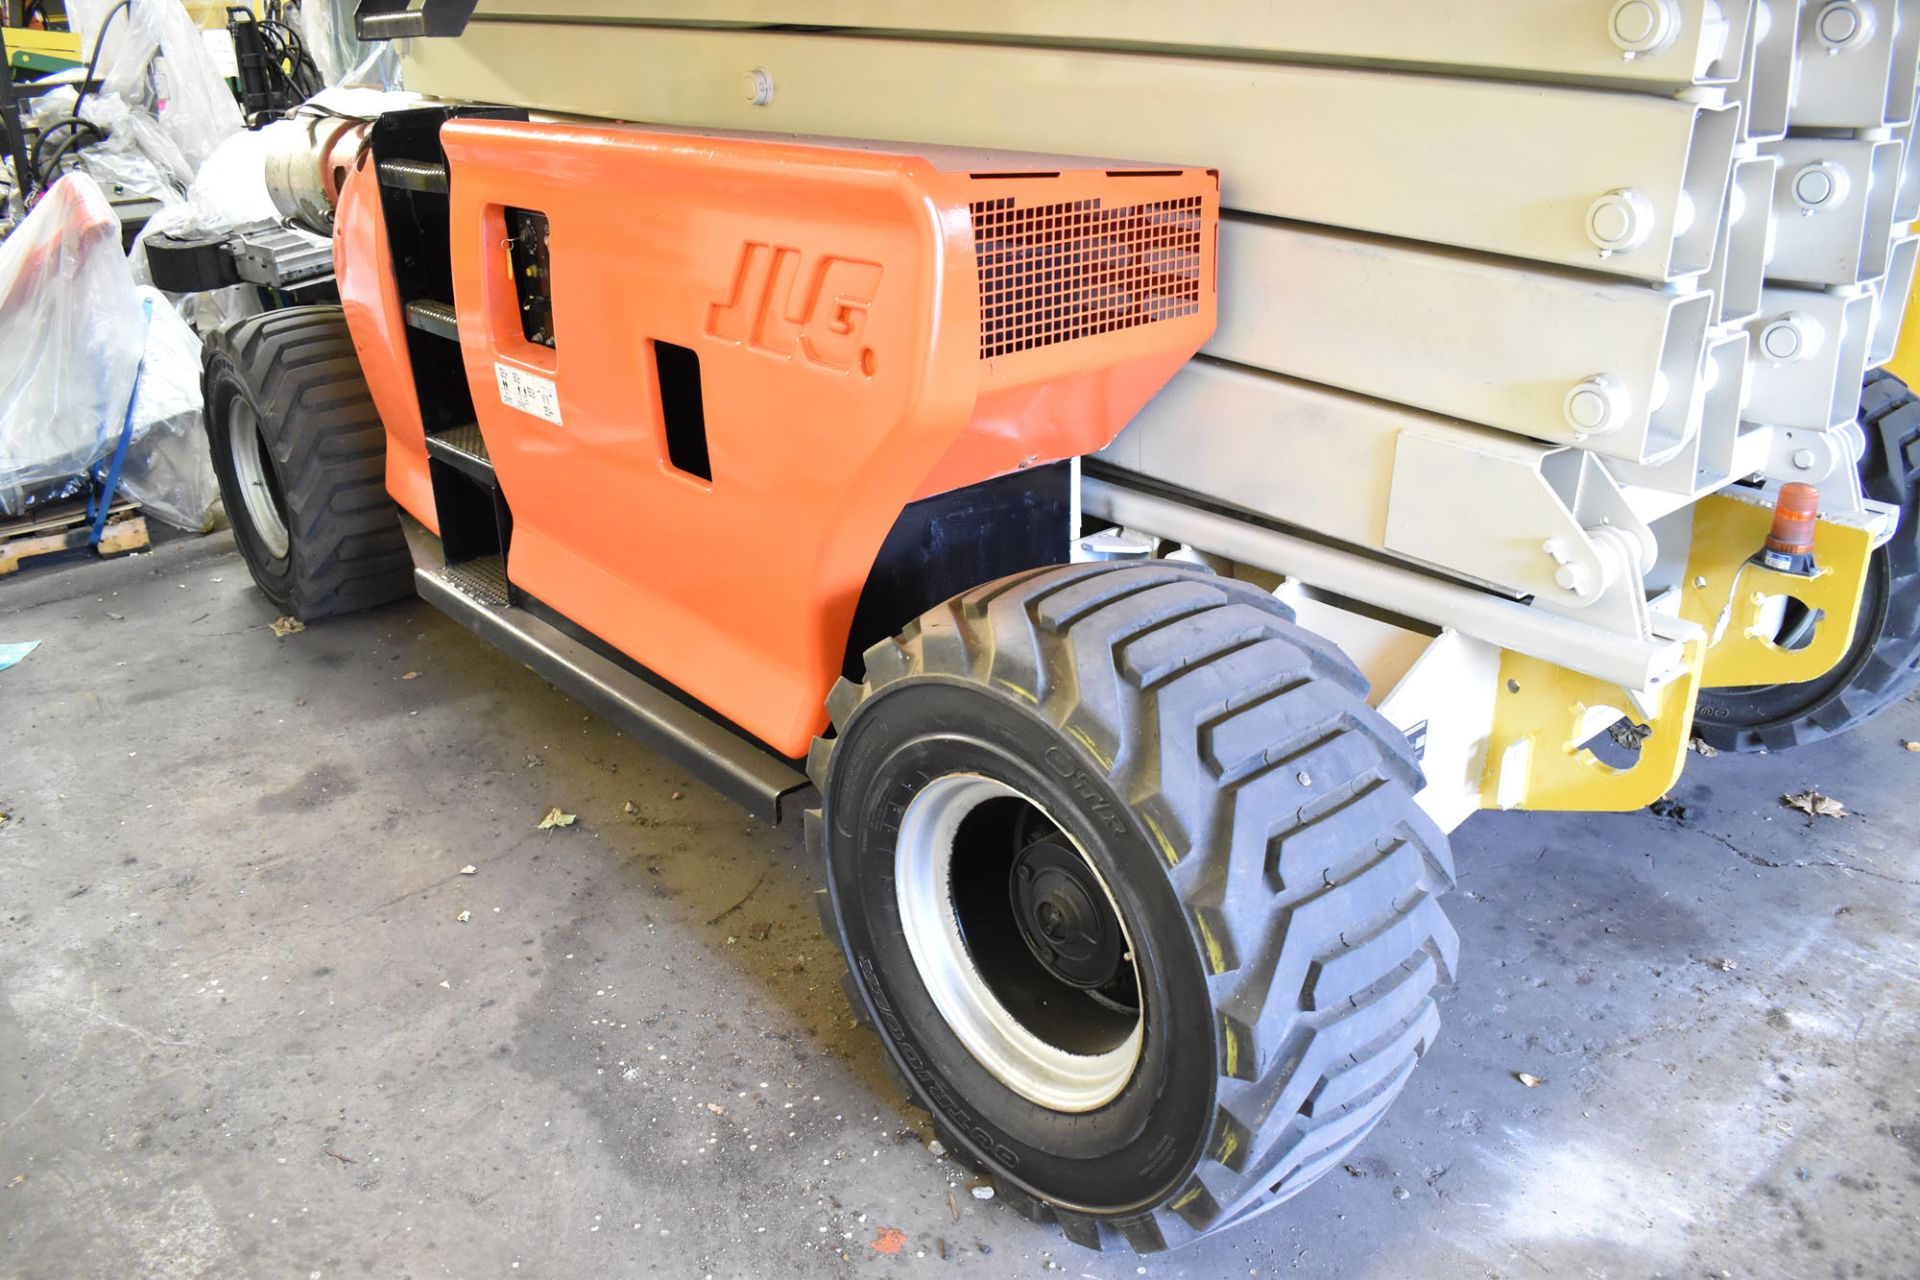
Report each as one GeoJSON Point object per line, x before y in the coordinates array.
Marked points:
{"type": "Point", "coordinates": [464, 449]}
{"type": "Point", "coordinates": [433, 317]}
{"type": "Point", "coordinates": [483, 579]}
{"type": "Point", "coordinates": [414, 175]}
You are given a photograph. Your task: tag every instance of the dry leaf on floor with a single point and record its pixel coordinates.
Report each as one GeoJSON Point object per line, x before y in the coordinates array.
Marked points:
{"type": "Point", "coordinates": [463, 917]}
{"type": "Point", "coordinates": [411, 675]}
{"type": "Point", "coordinates": [1700, 746]}
{"type": "Point", "coordinates": [1815, 805]}
{"type": "Point", "coordinates": [1529, 1080]}
{"type": "Point", "coordinates": [286, 626]}
{"type": "Point", "coordinates": [554, 818]}
{"type": "Point", "coordinates": [469, 869]}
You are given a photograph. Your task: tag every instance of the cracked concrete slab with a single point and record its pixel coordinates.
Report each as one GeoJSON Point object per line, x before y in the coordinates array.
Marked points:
{"type": "Point", "coordinates": [245, 1030]}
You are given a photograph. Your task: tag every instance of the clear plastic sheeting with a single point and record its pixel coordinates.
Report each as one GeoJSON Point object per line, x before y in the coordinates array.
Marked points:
{"type": "Point", "coordinates": [167, 470]}
{"type": "Point", "coordinates": [155, 61]}
{"type": "Point", "coordinates": [69, 331]}
{"type": "Point", "coordinates": [342, 57]}
{"type": "Point", "coordinates": [136, 156]}
{"type": "Point", "coordinates": [72, 332]}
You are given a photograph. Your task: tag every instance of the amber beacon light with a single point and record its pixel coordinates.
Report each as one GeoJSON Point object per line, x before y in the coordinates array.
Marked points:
{"type": "Point", "coordinates": [1789, 546]}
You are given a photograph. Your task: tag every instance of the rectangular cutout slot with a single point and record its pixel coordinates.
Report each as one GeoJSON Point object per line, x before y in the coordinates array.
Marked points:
{"type": "Point", "coordinates": [676, 372]}
{"type": "Point", "coordinates": [532, 273]}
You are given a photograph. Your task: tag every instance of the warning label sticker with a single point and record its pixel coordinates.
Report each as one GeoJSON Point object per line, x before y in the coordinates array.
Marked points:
{"type": "Point", "coordinates": [527, 392]}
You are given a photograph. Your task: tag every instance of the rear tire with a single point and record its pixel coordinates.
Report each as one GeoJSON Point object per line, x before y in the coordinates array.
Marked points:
{"type": "Point", "coordinates": [301, 457]}
{"type": "Point", "coordinates": [1216, 771]}
{"type": "Point", "coordinates": [1882, 665]}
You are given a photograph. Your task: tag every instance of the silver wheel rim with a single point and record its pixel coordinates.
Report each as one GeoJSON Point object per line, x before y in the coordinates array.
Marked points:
{"type": "Point", "coordinates": [1030, 1065]}
{"type": "Point", "coordinates": [251, 469]}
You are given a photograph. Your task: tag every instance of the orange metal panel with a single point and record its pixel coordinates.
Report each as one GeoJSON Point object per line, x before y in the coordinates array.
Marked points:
{"type": "Point", "coordinates": [363, 266]}
{"type": "Point", "coordinates": [833, 296]}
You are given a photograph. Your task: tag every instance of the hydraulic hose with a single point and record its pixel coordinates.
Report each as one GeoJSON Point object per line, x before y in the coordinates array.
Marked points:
{"type": "Point", "coordinates": [99, 42]}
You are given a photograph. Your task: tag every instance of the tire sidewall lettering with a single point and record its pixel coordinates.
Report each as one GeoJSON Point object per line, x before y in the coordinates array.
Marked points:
{"type": "Point", "coordinates": [1128, 1149]}
{"type": "Point", "coordinates": [1081, 784]}
{"type": "Point", "coordinates": [918, 1067]}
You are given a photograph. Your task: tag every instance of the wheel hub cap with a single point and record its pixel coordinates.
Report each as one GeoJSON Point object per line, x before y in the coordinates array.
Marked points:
{"type": "Point", "coordinates": [1018, 943]}
{"type": "Point", "coordinates": [1064, 916]}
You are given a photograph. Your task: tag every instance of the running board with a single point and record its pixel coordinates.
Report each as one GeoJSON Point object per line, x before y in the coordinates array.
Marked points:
{"type": "Point", "coordinates": [751, 776]}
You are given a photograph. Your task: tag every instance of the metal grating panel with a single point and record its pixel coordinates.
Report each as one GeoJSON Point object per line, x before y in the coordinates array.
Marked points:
{"type": "Point", "coordinates": [483, 579]}
{"type": "Point", "coordinates": [1055, 272]}
{"type": "Point", "coordinates": [414, 175]}
{"type": "Point", "coordinates": [434, 317]}
{"type": "Point", "coordinates": [467, 439]}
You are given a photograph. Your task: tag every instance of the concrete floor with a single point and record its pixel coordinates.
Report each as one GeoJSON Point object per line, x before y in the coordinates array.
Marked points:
{"type": "Point", "coordinates": [244, 1033]}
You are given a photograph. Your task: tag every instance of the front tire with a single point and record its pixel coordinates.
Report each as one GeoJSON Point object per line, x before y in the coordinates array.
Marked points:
{"type": "Point", "coordinates": [1226, 973]}
{"type": "Point", "coordinates": [301, 457]}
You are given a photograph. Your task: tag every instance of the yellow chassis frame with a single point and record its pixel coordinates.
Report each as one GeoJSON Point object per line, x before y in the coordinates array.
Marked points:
{"type": "Point", "coordinates": [1544, 714]}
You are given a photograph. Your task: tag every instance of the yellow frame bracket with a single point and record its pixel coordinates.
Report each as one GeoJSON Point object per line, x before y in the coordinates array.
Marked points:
{"type": "Point", "coordinates": [1728, 595]}
{"type": "Point", "coordinates": [1542, 716]}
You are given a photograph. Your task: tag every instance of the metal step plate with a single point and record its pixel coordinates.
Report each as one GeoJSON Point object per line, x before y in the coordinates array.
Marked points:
{"type": "Point", "coordinates": [465, 449]}
{"type": "Point", "coordinates": [414, 175]}
{"type": "Point", "coordinates": [433, 317]}
{"type": "Point", "coordinates": [483, 580]}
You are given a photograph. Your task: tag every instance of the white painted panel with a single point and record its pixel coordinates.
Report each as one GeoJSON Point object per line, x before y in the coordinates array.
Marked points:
{"type": "Point", "coordinates": [1851, 83]}
{"type": "Point", "coordinates": [1808, 356]}
{"type": "Point", "coordinates": [1833, 203]}
{"type": "Point", "coordinates": [1366, 472]}
{"type": "Point", "coordinates": [1445, 705]}
{"type": "Point", "coordinates": [1890, 301]}
{"type": "Point", "coordinates": [1765, 87]}
{"type": "Point", "coordinates": [1497, 167]}
{"type": "Point", "coordinates": [1906, 203]}
{"type": "Point", "coordinates": [1745, 232]}
{"type": "Point", "coordinates": [1699, 43]}
{"type": "Point", "coordinates": [1468, 337]}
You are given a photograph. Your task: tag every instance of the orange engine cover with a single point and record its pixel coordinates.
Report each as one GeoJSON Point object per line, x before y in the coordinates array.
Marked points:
{"type": "Point", "coordinates": [871, 326]}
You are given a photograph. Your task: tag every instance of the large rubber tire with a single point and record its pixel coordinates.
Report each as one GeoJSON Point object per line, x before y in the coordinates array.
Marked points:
{"type": "Point", "coordinates": [1882, 665]}
{"type": "Point", "coordinates": [1254, 824]}
{"type": "Point", "coordinates": [315, 525]}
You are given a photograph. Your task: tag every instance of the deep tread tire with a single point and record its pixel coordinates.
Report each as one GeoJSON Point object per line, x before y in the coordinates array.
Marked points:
{"type": "Point", "coordinates": [1305, 913]}
{"type": "Point", "coordinates": [1882, 665]}
{"type": "Point", "coordinates": [297, 369]}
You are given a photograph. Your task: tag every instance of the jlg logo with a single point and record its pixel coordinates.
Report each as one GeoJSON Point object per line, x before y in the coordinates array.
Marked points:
{"type": "Point", "coordinates": [824, 321]}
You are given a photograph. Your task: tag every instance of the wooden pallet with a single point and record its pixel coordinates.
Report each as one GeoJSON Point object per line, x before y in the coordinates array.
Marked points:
{"type": "Point", "coordinates": [66, 528]}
